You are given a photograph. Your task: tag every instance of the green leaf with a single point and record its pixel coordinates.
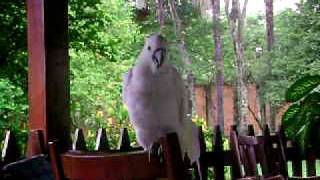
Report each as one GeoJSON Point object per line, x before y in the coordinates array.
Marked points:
{"type": "Point", "coordinates": [302, 87]}
{"type": "Point", "coordinates": [292, 111]}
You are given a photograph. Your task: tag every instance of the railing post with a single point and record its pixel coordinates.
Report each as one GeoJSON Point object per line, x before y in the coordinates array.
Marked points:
{"type": "Point", "coordinates": [124, 141]}
{"type": "Point", "coordinates": [48, 70]}
{"type": "Point", "coordinates": [10, 151]}
{"type": "Point", "coordinates": [311, 162]}
{"type": "Point", "coordinates": [268, 148]}
{"type": "Point", "coordinates": [203, 162]}
{"type": "Point", "coordinates": [175, 167]}
{"type": "Point", "coordinates": [79, 142]}
{"type": "Point", "coordinates": [36, 144]}
{"type": "Point", "coordinates": [236, 166]}
{"type": "Point", "coordinates": [282, 145]}
{"type": "Point", "coordinates": [251, 130]}
{"type": "Point", "coordinates": [218, 151]}
{"type": "Point", "coordinates": [102, 143]}
{"type": "Point", "coordinates": [55, 160]}
{"type": "Point", "coordinates": [296, 162]}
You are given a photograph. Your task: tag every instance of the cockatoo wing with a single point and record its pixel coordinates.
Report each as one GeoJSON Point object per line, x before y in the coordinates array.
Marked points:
{"type": "Point", "coordinates": [126, 81]}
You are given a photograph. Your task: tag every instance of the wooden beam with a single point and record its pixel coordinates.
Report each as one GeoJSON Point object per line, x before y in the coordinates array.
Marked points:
{"type": "Point", "coordinates": [49, 69]}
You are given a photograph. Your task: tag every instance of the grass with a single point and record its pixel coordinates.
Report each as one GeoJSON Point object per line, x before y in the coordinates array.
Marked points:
{"type": "Point", "coordinates": [304, 168]}
{"type": "Point", "coordinates": [227, 170]}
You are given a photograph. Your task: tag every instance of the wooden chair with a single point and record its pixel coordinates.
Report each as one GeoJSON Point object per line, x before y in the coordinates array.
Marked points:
{"type": "Point", "coordinates": [120, 165]}
{"type": "Point", "coordinates": [247, 152]}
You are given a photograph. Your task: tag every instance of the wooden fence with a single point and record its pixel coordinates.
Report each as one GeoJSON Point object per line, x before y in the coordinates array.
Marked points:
{"type": "Point", "coordinates": [217, 158]}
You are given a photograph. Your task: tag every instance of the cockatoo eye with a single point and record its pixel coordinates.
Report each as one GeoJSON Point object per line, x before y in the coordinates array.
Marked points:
{"type": "Point", "coordinates": [149, 48]}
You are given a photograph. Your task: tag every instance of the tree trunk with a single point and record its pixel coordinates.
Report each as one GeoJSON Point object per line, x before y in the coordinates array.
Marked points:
{"type": "Point", "coordinates": [209, 105]}
{"type": "Point", "coordinates": [160, 13]}
{"type": "Point", "coordinates": [270, 40]}
{"type": "Point", "coordinates": [218, 62]}
{"type": "Point", "coordinates": [184, 53]}
{"type": "Point", "coordinates": [236, 22]}
{"type": "Point", "coordinates": [269, 23]}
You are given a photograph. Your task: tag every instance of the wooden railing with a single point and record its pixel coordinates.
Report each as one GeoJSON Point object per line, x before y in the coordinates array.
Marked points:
{"type": "Point", "coordinates": [10, 151]}
{"type": "Point", "coordinates": [102, 141]}
{"type": "Point", "coordinates": [219, 158]}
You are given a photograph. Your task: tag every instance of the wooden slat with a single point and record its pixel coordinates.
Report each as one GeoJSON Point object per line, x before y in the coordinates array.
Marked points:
{"type": "Point", "coordinates": [79, 142]}
{"type": "Point", "coordinates": [284, 156]}
{"type": "Point", "coordinates": [102, 143]}
{"type": "Point", "coordinates": [234, 128]}
{"type": "Point", "coordinates": [269, 164]}
{"type": "Point", "coordinates": [10, 151]}
{"type": "Point", "coordinates": [36, 143]}
{"type": "Point", "coordinates": [251, 130]}
{"type": "Point", "coordinates": [236, 164]}
{"type": "Point", "coordinates": [248, 154]}
{"type": "Point", "coordinates": [203, 162]}
{"type": "Point", "coordinates": [175, 167]}
{"type": "Point", "coordinates": [55, 160]}
{"type": "Point", "coordinates": [218, 149]}
{"type": "Point", "coordinates": [247, 140]}
{"type": "Point", "coordinates": [124, 141]}
{"type": "Point", "coordinates": [210, 158]}
{"type": "Point", "coordinates": [296, 163]}
{"type": "Point", "coordinates": [311, 163]}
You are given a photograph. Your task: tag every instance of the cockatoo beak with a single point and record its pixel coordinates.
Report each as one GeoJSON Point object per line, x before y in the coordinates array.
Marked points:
{"type": "Point", "coordinates": [158, 56]}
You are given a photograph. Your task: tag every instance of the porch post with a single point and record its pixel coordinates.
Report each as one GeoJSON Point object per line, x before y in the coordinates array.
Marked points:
{"type": "Point", "coordinates": [48, 78]}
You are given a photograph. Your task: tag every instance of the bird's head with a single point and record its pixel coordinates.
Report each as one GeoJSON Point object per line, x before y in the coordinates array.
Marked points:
{"type": "Point", "coordinates": [155, 47]}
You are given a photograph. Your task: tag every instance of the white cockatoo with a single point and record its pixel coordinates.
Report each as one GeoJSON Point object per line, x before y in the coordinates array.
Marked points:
{"type": "Point", "coordinates": [155, 96]}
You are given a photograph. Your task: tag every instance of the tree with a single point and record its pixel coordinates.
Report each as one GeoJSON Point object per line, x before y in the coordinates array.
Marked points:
{"type": "Point", "coordinates": [160, 13]}
{"type": "Point", "coordinates": [13, 42]}
{"type": "Point", "coordinates": [184, 53]}
{"type": "Point", "coordinates": [296, 49]}
{"type": "Point", "coordinates": [270, 42]}
{"type": "Point", "coordinates": [269, 24]}
{"type": "Point", "coordinates": [104, 41]}
{"type": "Point", "coordinates": [218, 62]}
{"type": "Point", "coordinates": [13, 68]}
{"type": "Point", "coordinates": [236, 19]}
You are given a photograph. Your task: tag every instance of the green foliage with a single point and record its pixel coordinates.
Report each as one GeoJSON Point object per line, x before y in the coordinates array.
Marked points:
{"type": "Point", "coordinates": [12, 105]}
{"type": "Point", "coordinates": [302, 119]}
{"type": "Point", "coordinates": [13, 70]}
{"type": "Point", "coordinates": [302, 87]}
{"type": "Point", "coordinates": [296, 50]}
{"type": "Point", "coordinates": [13, 111]}
{"type": "Point", "coordinates": [13, 42]}
{"type": "Point", "coordinates": [104, 42]}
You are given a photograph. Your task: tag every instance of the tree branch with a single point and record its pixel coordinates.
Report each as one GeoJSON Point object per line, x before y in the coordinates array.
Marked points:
{"type": "Point", "coordinates": [256, 118]}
